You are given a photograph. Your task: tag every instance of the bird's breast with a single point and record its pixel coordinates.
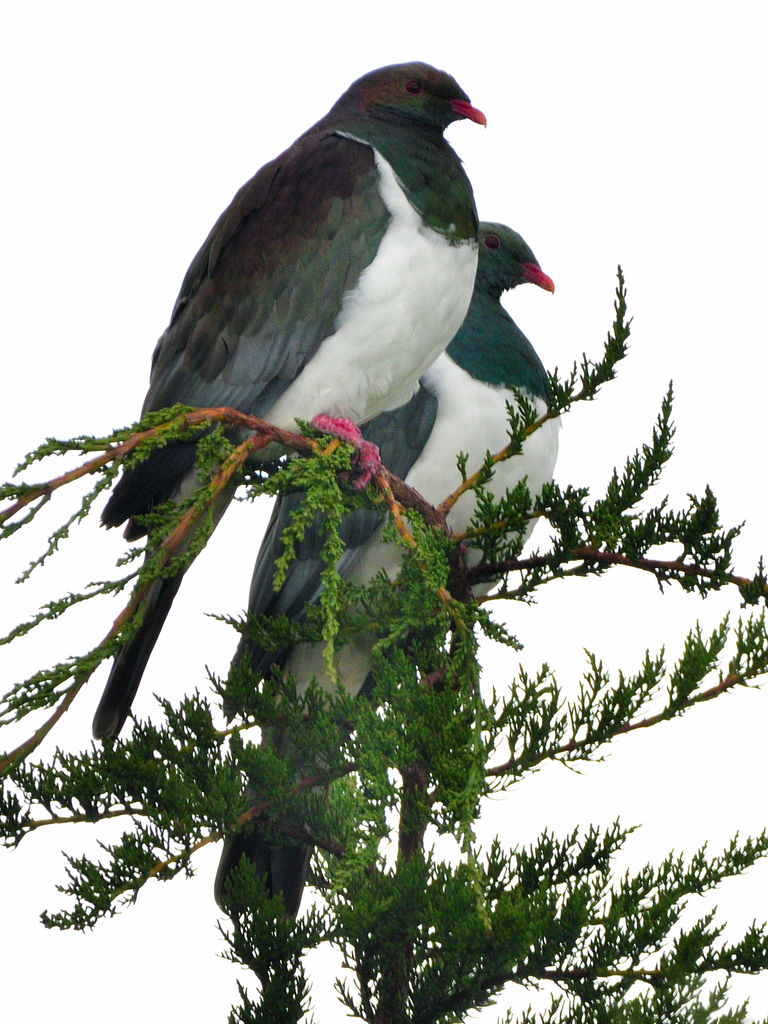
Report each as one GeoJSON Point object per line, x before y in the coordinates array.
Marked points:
{"type": "Point", "coordinates": [402, 313]}
{"type": "Point", "coordinates": [472, 418]}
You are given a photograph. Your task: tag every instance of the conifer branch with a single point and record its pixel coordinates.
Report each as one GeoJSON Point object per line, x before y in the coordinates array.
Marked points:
{"type": "Point", "coordinates": [246, 817]}
{"type": "Point", "coordinates": [31, 743]}
{"type": "Point", "coordinates": [175, 544]}
{"type": "Point", "coordinates": [666, 568]}
{"type": "Point", "coordinates": [729, 682]}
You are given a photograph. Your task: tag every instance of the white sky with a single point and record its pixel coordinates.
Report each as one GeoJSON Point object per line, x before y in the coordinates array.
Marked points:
{"type": "Point", "coordinates": [625, 133]}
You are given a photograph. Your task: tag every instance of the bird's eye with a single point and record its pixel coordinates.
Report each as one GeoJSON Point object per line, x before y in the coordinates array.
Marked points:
{"type": "Point", "coordinates": [491, 242]}
{"type": "Point", "coordinates": [413, 87]}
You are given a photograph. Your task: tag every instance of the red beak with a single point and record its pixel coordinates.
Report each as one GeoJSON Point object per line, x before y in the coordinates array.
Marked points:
{"type": "Point", "coordinates": [536, 275]}
{"type": "Point", "coordinates": [465, 109]}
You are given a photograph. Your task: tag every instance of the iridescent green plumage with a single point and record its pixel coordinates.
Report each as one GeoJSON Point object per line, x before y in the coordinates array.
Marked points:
{"type": "Point", "coordinates": [489, 345]}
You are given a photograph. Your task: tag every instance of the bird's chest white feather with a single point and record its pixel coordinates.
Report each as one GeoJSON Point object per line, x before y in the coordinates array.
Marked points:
{"type": "Point", "coordinates": [403, 312]}
{"type": "Point", "coordinates": [471, 418]}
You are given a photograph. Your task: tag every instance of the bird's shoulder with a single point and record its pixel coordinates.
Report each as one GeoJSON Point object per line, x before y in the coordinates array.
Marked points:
{"type": "Point", "coordinates": [267, 284]}
{"type": "Point", "coordinates": [297, 195]}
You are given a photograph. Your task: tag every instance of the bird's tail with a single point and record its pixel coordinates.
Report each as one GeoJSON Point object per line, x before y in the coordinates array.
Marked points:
{"type": "Point", "coordinates": [284, 869]}
{"type": "Point", "coordinates": [283, 865]}
{"type": "Point", "coordinates": [131, 660]}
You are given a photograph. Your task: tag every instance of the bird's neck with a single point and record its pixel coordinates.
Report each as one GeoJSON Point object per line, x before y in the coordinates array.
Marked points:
{"type": "Point", "coordinates": [492, 348]}
{"type": "Point", "coordinates": [428, 171]}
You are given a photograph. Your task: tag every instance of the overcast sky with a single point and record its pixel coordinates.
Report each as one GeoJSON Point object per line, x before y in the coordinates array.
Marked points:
{"type": "Point", "coordinates": [627, 133]}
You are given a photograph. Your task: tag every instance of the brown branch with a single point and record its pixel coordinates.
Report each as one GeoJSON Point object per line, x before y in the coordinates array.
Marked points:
{"type": "Point", "coordinates": [408, 496]}
{"type": "Point", "coordinates": [586, 555]}
{"type": "Point", "coordinates": [433, 679]}
{"type": "Point", "coordinates": [563, 975]}
{"type": "Point", "coordinates": [195, 418]}
{"type": "Point", "coordinates": [46, 490]}
{"type": "Point", "coordinates": [310, 782]}
{"type": "Point", "coordinates": [39, 735]}
{"type": "Point", "coordinates": [249, 815]}
{"type": "Point", "coordinates": [82, 819]}
{"type": "Point", "coordinates": [654, 565]}
{"type": "Point", "coordinates": [395, 508]}
{"type": "Point", "coordinates": [116, 451]}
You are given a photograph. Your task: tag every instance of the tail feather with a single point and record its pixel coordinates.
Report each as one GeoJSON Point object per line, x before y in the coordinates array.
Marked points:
{"type": "Point", "coordinates": [144, 486]}
{"type": "Point", "coordinates": [284, 869]}
{"type": "Point", "coordinates": [129, 665]}
{"type": "Point", "coordinates": [132, 659]}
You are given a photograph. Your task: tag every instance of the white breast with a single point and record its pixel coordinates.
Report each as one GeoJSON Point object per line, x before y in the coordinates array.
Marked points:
{"type": "Point", "coordinates": [471, 418]}
{"type": "Point", "coordinates": [408, 304]}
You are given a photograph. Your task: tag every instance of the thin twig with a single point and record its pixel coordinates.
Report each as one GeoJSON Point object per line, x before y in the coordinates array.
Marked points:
{"type": "Point", "coordinates": [39, 735]}
{"type": "Point", "coordinates": [81, 819]}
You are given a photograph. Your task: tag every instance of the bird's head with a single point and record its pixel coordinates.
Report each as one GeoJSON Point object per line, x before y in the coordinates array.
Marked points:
{"type": "Point", "coordinates": [411, 93]}
{"type": "Point", "coordinates": [505, 260]}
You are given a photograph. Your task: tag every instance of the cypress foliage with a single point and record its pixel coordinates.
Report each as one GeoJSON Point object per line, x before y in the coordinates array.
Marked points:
{"type": "Point", "coordinates": [433, 923]}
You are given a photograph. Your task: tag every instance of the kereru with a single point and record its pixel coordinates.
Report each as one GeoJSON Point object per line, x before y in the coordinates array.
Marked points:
{"type": "Point", "coordinates": [335, 277]}
{"type": "Point", "coordinates": [461, 406]}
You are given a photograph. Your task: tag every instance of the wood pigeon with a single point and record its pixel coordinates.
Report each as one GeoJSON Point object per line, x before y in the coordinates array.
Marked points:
{"type": "Point", "coordinates": [460, 406]}
{"type": "Point", "coordinates": [335, 277]}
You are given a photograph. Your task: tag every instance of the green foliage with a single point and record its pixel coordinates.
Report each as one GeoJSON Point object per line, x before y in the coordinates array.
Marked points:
{"type": "Point", "coordinates": [431, 923]}
{"type": "Point", "coordinates": [270, 946]}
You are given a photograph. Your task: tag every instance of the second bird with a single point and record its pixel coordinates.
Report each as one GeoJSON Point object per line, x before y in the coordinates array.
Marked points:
{"type": "Point", "coordinates": [461, 406]}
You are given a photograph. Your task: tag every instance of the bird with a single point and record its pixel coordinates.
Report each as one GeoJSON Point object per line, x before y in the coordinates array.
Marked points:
{"type": "Point", "coordinates": [334, 278]}
{"type": "Point", "coordinates": [461, 406]}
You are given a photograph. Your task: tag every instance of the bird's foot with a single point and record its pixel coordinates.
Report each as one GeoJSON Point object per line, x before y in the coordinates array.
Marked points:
{"type": "Point", "coordinates": [366, 461]}
{"type": "Point", "coordinates": [340, 427]}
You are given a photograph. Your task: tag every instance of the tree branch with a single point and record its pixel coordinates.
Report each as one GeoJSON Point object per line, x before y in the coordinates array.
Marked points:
{"type": "Point", "coordinates": [728, 683]}
{"type": "Point", "coordinates": [493, 570]}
